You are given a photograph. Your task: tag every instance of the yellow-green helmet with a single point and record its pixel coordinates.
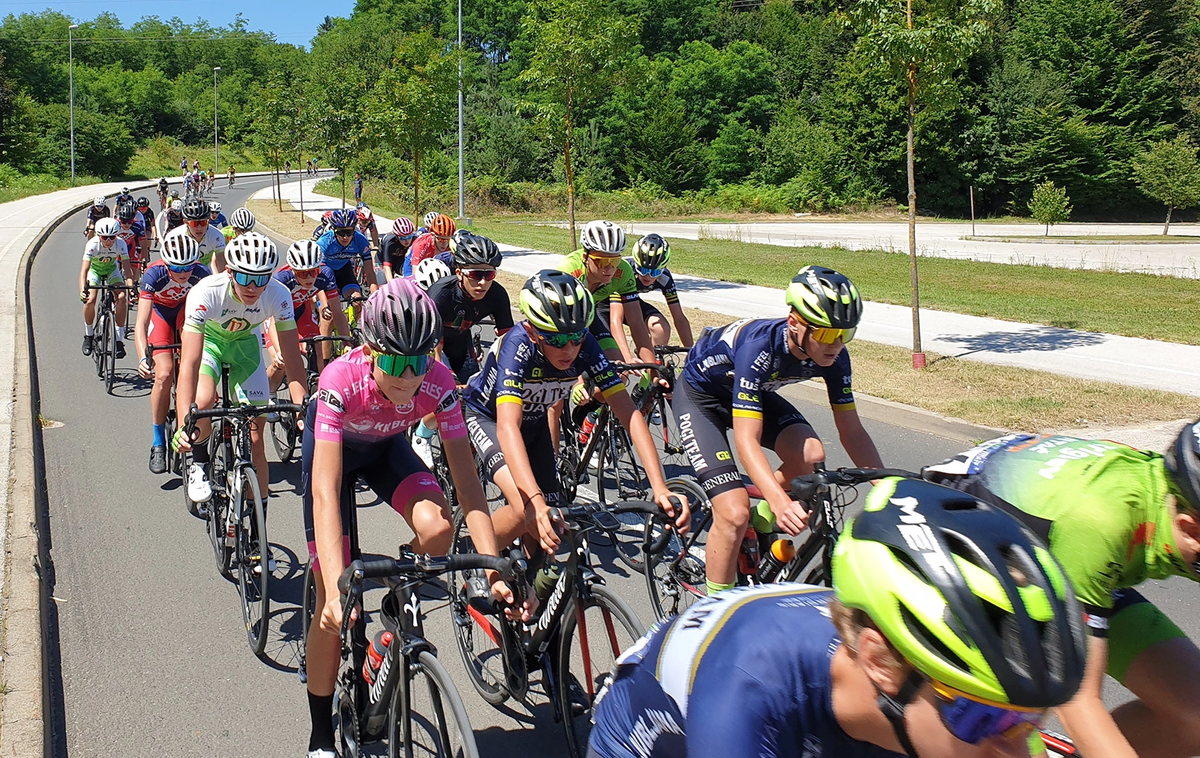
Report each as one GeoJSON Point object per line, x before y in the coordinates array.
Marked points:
{"type": "Point", "coordinates": [966, 594]}
{"type": "Point", "coordinates": [825, 298]}
{"type": "Point", "coordinates": [555, 301]}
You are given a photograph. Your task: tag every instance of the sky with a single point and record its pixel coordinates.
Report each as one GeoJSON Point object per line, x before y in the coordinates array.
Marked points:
{"type": "Point", "coordinates": [291, 21]}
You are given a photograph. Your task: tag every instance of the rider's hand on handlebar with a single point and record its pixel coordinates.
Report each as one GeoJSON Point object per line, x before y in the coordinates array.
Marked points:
{"type": "Point", "coordinates": [331, 614]}
{"type": "Point", "coordinates": [790, 516]}
{"type": "Point", "coordinates": [145, 369]}
{"type": "Point", "coordinates": [503, 595]}
{"type": "Point", "coordinates": [83, 296]}
{"type": "Point", "coordinates": [181, 442]}
{"type": "Point", "coordinates": [675, 505]}
{"type": "Point", "coordinates": [543, 525]}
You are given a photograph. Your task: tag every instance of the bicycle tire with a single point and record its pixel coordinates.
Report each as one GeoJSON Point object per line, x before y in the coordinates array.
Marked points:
{"type": "Point", "coordinates": [675, 587]}
{"type": "Point", "coordinates": [437, 709]}
{"type": "Point", "coordinates": [254, 589]}
{"type": "Point", "coordinates": [283, 431]}
{"type": "Point", "coordinates": [308, 609]}
{"type": "Point", "coordinates": [103, 336]}
{"type": "Point", "coordinates": [218, 504]}
{"type": "Point", "coordinates": [613, 611]}
{"type": "Point", "coordinates": [481, 655]}
{"type": "Point", "coordinates": [631, 484]}
{"type": "Point", "coordinates": [172, 456]}
{"type": "Point", "coordinates": [185, 465]}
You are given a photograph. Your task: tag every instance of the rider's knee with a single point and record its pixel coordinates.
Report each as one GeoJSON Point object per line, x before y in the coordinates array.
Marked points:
{"type": "Point", "coordinates": [732, 508]}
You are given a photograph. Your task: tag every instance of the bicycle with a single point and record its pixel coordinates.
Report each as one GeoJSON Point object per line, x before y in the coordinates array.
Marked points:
{"type": "Point", "coordinates": [104, 335]}
{"type": "Point", "coordinates": [285, 427]}
{"type": "Point", "coordinates": [499, 653]}
{"type": "Point", "coordinates": [675, 577]}
{"type": "Point", "coordinates": [391, 700]}
{"type": "Point", "coordinates": [233, 524]}
{"type": "Point", "coordinates": [173, 458]}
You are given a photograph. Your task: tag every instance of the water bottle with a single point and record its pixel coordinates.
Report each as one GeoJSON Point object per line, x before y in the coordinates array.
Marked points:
{"type": "Point", "coordinates": [377, 671]}
{"type": "Point", "coordinates": [748, 555]}
{"type": "Point", "coordinates": [376, 652]}
{"type": "Point", "coordinates": [781, 554]}
{"type": "Point", "coordinates": [589, 423]}
{"type": "Point", "coordinates": [230, 528]}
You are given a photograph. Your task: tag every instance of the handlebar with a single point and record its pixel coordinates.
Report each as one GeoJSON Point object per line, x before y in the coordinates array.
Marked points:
{"type": "Point", "coordinates": [597, 514]}
{"type": "Point", "coordinates": [662, 350]}
{"type": "Point", "coordinates": [325, 338]}
{"type": "Point", "coordinates": [636, 366]}
{"type": "Point", "coordinates": [422, 566]}
{"type": "Point", "coordinates": [152, 349]}
{"type": "Point", "coordinates": [804, 487]}
{"type": "Point", "coordinates": [243, 411]}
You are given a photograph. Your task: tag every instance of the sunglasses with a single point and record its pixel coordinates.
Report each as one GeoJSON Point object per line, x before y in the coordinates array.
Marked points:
{"type": "Point", "coordinates": [653, 273]}
{"type": "Point", "coordinates": [109, 237]}
{"type": "Point", "coordinates": [197, 222]}
{"type": "Point", "coordinates": [827, 336]}
{"type": "Point", "coordinates": [560, 340]}
{"type": "Point", "coordinates": [396, 365]}
{"type": "Point", "coordinates": [973, 721]}
{"type": "Point", "coordinates": [605, 263]}
{"type": "Point", "coordinates": [343, 232]}
{"type": "Point", "coordinates": [184, 269]}
{"type": "Point", "coordinates": [480, 274]}
{"type": "Point", "coordinates": [441, 238]}
{"type": "Point", "coordinates": [251, 280]}
{"type": "Point", "coordinates": [305, 272]}
{"type": "Point", "coordinates": [407, 238]}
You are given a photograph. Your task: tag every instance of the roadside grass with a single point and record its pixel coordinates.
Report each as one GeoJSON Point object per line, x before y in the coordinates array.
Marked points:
{"type": "Point", "coordinates": [1134, 305]}
{"type": "Point", "coordinates": [13, 187]}
{"type": "Point", "coordinates": [1098, 239]}
{"type": "Point", "coordinates": [161, 156]}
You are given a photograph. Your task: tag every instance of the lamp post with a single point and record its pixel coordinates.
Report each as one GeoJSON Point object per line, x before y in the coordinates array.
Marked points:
{"type": "Point", "coordinates": [462, 193]}
{"type": "Point", "coordinates": [216, 144]}
{"type": "Point", "coordinates": [71, 77]}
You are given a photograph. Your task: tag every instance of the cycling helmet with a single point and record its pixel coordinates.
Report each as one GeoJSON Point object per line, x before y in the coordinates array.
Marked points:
{"type": "Point", "coordinates": [825, 298]}
{"type": "Point", "coordinates": [304, 254]}
{"type": "Point", "coordinates": [180, 250]}
{"type": "Point", "coordinates": [124, 190]}
{"type": "Point", "coordinates": [473, 250]}
{"type": "Point", "coordinates": [174, 194]}
{"type": "Point", "coordinates": [555, 301]}
{"type": "Point", "coordinates": [363, 212]}
{"type": "Point", "coordinates": [107, 227]}
{"type": "Point", "coordinates": [143, 202]}
{"type": "Point", "coordinates": [403, 226]}
{"type": "Point", "coordinates": [429, 271]}
{"type": "Point", "coordinates": [603, 237]}
{"type": "Point", "coordinates": [98, 200]}
{"type": "Point", "coordinates": [214, 207]}
{"type": "Point", "coordinates": [964, 592]}
{"type": "Point", "coordinates": [400, 319]}
{"type": "Point", "coordinates": [243, 219]}
{"type": "Point", "coordinates": [251, 253]}
{"type": "Point", "coordinates": [177, 206]}
{"type": "Point", "coordinates": [442, 226]}
{"type": "Point", "coordinates": [126, 212]}
{"type": "Point", "coordinates": [195, 209]}
{"type": "Point", "coordinates": [1183, 464]}
{"type": "Point", "coordinates": [344, 218]}
{"type": "Point", "coordinates": [429, 217]}
{"type": "Point", "coordinates": [652, 251]}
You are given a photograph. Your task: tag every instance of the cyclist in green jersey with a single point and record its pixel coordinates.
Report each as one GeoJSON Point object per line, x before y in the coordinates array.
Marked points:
{"type": "Point", "coordinates": [1113, 517]}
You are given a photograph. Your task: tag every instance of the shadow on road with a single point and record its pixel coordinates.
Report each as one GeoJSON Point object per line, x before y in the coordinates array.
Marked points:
{"type": "Point", "coordinates": [1041, 339]}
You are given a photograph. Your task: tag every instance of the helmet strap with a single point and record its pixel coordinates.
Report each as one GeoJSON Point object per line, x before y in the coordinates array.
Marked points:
{"type": "Point", "coordinates": [893, 708]}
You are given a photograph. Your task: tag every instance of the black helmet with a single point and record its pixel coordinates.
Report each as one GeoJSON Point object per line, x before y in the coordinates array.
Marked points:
{"type": "Point", "coordinates": [143, 202]}
{"type": "Point", "coordinates": [126, 212]}
{"type": "Point", "coordinates": [195, 209]}
{"type": "Point", "coordinates": [473, 250]}
{"type": "Point", "coordinates": [825, 298]}
{"type": "Point", "coordinates": [555, 301]}
{"type": "Point", "coordinates": [1183, 464]}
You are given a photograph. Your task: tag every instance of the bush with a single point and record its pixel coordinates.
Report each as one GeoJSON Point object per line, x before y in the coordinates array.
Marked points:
{"type": "Point", "coordinates": [1050, 205]}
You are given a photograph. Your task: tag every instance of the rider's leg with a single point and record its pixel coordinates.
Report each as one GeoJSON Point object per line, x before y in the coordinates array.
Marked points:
{"type": "Point", "coordinates": [89, 312]}
{"type": "Point", "coordinates": [122, 311]}
{"type": "Point", "coordinates": [160, 393]}
{"type": "Point", "coordinates": [798, 448]}
{"type": "Point", "coordinates": [659, 328]}
{"type": "Point", "coordinates": [428, 515]}
{"type": "Point", "coordinates": [731, 514]}
{"type": "Point", "coordinates": [206, 397]}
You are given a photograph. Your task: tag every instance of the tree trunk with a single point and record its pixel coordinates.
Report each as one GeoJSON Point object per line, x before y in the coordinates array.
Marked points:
{"type": "Point", "coordinates": [570, 176]}
{"type": "Point", "coordinates": [918, 356]}
{"type": "Point", "coordinates": [343, 186]}
{"type": "Point", "coordinates": [1167, 226]}
{"type": "Point", "coordinates": [1047, 230]}
{"type": "Point", "coordinates": [417, 185]}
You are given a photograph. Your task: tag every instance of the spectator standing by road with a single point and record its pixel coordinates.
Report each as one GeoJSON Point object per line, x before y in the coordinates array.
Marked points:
{"type": "Point", "coordinates": [357, 188]}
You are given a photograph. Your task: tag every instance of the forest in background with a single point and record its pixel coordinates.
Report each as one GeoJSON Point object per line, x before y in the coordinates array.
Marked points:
{"type": "Point", "coordinates": [711, 103]}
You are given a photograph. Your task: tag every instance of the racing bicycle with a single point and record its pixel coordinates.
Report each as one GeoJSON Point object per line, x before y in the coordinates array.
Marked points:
{"type": "Point", "coordinates": [104, 335]}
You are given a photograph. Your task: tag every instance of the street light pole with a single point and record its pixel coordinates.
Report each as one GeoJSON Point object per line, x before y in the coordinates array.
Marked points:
{"type": "Point", "coordinates": [216, 144]}
{"type": "Point", "coordinates": [71, 76]}
{"type": "Point", "coordinates": [462, 193]}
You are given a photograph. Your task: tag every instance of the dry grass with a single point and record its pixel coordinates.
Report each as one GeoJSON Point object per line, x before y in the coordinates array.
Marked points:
{"type": "Point", "coordinates": [288, 223]}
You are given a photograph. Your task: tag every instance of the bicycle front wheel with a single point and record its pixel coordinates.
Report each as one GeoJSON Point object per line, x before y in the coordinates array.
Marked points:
{"type": "Point", "coordinates": [308, 609]}
{"type": "Point", "coordinates": [477, 631]}
{"type": "Point", "coordinates": [253, 556]}
{"type": "Point", "coordinates": [595, 632]}
{"type": "Point", "coordinates": [283, 432]}
{"type": "Point", "coordinates": [110, 356]}
{"type": "Point", "coordinates": [218, 504]}
{"type": "Point", "coordinates": [629, 483]}
{"type": "Point", "coordinates": [427, 717]}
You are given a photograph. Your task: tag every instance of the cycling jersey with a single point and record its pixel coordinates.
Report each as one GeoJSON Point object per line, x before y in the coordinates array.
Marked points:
{"type": "Point", "coordinates": [752, 356]}
{"type": "Point", "coordinates": [95, 213]}
{"type": "Point", "coordinates": [119, 199]}
{"type": "Point", "coordinates": [211, 242]}
{"type": "Point", "coordinates": [168, 220]}
{"type": "Point", "coordinates": [742, 673]}
{"type": "Point", "coordinates": [622, 288]}
{"type": "Point", "coordinates": [162, 291]}
{"type": "Point", "coordinates": [132, 237]}
{"type": "Point", "coordinates": [105, 261]}
{"type": "Point", "coordinates": [422, 247]}
{"type": "Point", "coordinates": [228, 233]}
{"type": "Point", "coordinates": [392, 252]}
{"type": "Point", "coordinates": [664, 283]}
{"type": "Point", "coordinates": [219, 222]}
{"type": "Point", "coordinates": [337, 255]}
{"type": "Point", "coordinates": [302, 296]}
{"type": "Point", "coordinates": [516, 371]}
{"type": "Point", "coordinates": [147, 220]}
{"type": "Point", "coordinates": [459, 313]}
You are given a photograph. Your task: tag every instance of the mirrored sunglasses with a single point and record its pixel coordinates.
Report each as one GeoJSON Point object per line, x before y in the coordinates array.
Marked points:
{"type": "Point", "coordinates": [830, 336]}
{"type": "Point", "coordinates": [652, 273]}
{"type": "Point", "coordinates": [480, 274]}
{"type": "Point", "coordinates": [251, 280]}
{"type": "Point", "coordinates": [560, 339]}
{"type": "Point", "coordinates": [184, 269]}
{"type": "Point", "coordinates": [396, 365]}
{"type": "Point", "coordinates": [973, 721]}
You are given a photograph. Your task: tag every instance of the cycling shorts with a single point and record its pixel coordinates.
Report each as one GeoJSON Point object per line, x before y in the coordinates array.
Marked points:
{"type": "Point", "coordinates": [344, 277]}
{"type": "Point", "coordinates": [704, 422]}
{"type": "Point", "coordinates": [116, 277]}
{"type": "Point", "coordinates": [247, 372]}
{"type": "Point", "coordinates": [538, 446]}
{"type": "Point", "coordinates": [1135, 625]}
{"type": "Point", "coordinates": [389, 467]}
{"type": "Point", "coordinates": [306, 327]}
{"type": "Point", "coordinates": [166, 325]}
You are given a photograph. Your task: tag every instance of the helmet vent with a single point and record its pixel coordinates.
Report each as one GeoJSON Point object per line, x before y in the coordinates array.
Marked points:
{"type": "Point", "coordinates": [1010, 636]}
{"type": "Point", "coordinates": [929, 641]}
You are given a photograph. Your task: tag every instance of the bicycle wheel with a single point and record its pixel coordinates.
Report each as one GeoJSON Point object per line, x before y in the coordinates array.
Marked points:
{"type": "Point", "coordinates": [102, 342]}
{"type": "Point", "coordinates": [675, 577]}
{"type": "Point", "coordinates": [218, 504]}
{"type": "Point", "coordinates": [254, 575]}
{"type": "Point", "coordinates": [665, 430]}
{"type": "Point", "coordinates": [476, 631]}
{"type": "Point", "coordinates": [427, 716]}
{"type": "Point", "coordinates": [308, 609]}
{"type": "Point", "coordinates": [594, 634]}
{"type": "Point", "coordinates": [283, 432]}
{"type": "Point", "coordinates": [630, 483]}
{"type": "Point", "coordinates": [172, 456]}
{"type": "Point", "coordinates": [110, 358]}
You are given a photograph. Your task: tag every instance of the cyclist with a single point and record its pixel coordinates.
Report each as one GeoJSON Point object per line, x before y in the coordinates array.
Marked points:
{"type": "Point", "coordinates": [430, 272]}
{"type": "Point", "coordinates": [203, 181]}
{"type": "Point", "coordinates": [341, 245]}
{"type": "Point", "coordinates": [287, 168]}
{"type": "Point", "coordinates": [366, 400]}
{"type": "Point", "coordinates": [195, 165]}
{"type": "Point", "coordinates": [134, 236]}
{"type": "Point", "coordinates": [730, 381]}
{"type": "Point", "coordinates": [105, 261]}
{"type": "Point", "coordinates": [98, 211]}
{"type": "Point", "coordinates": [170, 218]}
{"type": "Point", "coordinates": [432, 243]}
{"type": "Point", "coordinates": [529, 369]}
{"type": "Point", "coordinates": [324, 225]}
{"type": "Point", "coordinates": [232, 175]}
{"type": "Point", "coordinates": [309, 280]}
{"type": "Point", "coordinates": [426, 222]}
{"type": "Point", "coordinates": [649, 263]}
{"type": "Point", "coordinates": [366, 223]}
{"type": "Point", "coordinates": [949, 632]}
{"type": "Point", "coordinates": [240, 222]}
{"type": "Point", "coordinates": [395, 246]}
{"type": "Point", "coordinates": [183, 164]}
{"type": "Point", "coordinates": [146, 219]}
{"type": "Point", "coordinates": [215, 217]}
{"type": "Point", "coordinates": [1114, 517]}
{"type": "Point", "coordinates": [163, 187]}
{"type": "Point", "coordinates": [124, 196]}
{"type": "Point", "coordinates": [222, 316]}
{"type": "Point", "coordinates": [162, 293]}
{"type": "Point", "coordinates": [211, 241]}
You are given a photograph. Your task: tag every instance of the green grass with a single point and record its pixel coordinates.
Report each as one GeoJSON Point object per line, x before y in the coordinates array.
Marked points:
{"type": "Point", "coordinates": [1135, 305]}
{"type": "Point", "coordinates": [14, 187]}
{"type": "Point", "coordinates": [1098, 239]}
{"type": "Point", "coordinates": [161, 155]}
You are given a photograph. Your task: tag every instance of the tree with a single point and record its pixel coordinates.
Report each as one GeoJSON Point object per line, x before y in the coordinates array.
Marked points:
{"type": "Point", "coordinates": [927, 45]}
{"type": "Point", "coordinates": [1050, 205]}
{"type": "Point", "coordinates": [416, 101]}
{"type": "Point", "coordinates": [579, 50]}
{"type": "Point", "coordinates": [1169, 172]}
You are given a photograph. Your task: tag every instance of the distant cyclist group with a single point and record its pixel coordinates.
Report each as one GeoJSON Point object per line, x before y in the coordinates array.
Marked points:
{"type": "Point", "coordinates": [957, 610]}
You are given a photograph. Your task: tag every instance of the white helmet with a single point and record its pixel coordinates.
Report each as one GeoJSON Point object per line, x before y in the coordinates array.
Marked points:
{"type": "Point", "coordinates": [243, 219]}
{"type": "Point", "coordinates": [98, 200]}
{"type": "Point", "coordinates": [177, 206]}
{"type": "Point", "coordinates": [429, 217]}
{"type": "Point", "coordinates": [107, 227]}
{"type": "Point", "coordinates": [251, 253]}
{"type": "Point", "coordinates": [180, 249]}
{"type": "Point", "coordinates": [429, 271]}
{"type": "Point", "coordinates": [603, 237]}
{"type": "Point", "coordinates": [304, 254]}
{"type": "Point", "coordinates": [214, 206]}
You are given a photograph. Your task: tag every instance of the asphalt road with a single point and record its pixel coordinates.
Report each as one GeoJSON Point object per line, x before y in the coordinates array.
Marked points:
{"type": "Point", "coordinates": [153, 654]}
